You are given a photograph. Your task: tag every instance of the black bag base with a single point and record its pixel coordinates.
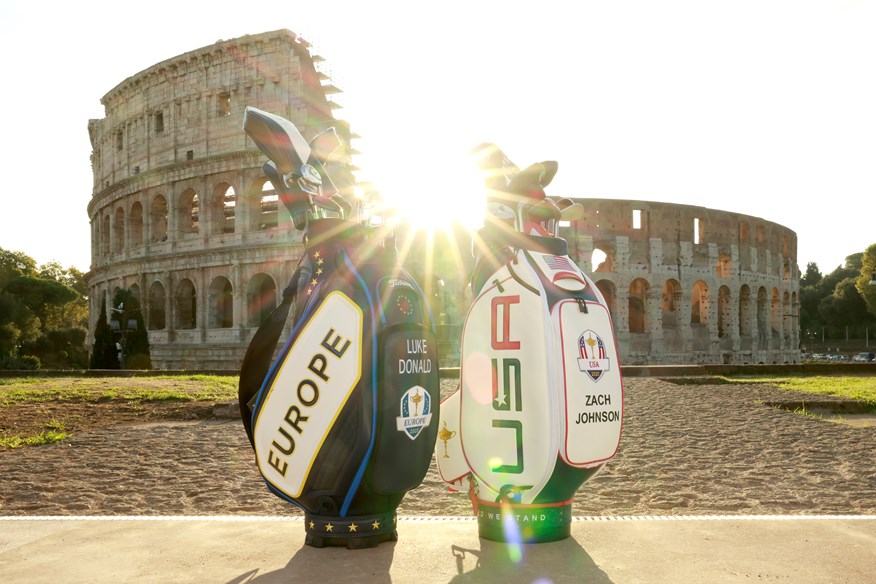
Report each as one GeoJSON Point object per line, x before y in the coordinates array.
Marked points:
{"type": "Point", "coordinates": [360, 532]}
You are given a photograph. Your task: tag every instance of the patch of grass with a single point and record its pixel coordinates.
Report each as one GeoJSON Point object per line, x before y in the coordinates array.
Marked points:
{"type": "Point", "coordinates": [802, 411]}
{"type": "Point", "coordinates": [860, 389]}
{"type": "Point", "coordinates": [56, 425]}
{"type": "Point", "coordinates": [47, 437]}
{"type": "Point", "coordinates": [164, 388]}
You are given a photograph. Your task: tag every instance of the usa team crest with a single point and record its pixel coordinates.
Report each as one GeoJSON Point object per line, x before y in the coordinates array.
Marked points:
{"type": "Point", "coordinates": [416, 412]}
{"type": "Point", "coordinates": [592, 359]}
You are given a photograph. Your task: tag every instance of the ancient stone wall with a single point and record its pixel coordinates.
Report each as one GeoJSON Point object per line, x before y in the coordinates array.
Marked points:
{"type": "Point", "coordinates": [691, 285]}
{"type": "Point", "coordinates": [181, 213]}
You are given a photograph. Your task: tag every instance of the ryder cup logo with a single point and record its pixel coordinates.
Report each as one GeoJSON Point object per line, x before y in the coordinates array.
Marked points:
{"type": "Point", "coordinates": [416, 412]}
{"type": "Point", "coordinates": [592, 359]}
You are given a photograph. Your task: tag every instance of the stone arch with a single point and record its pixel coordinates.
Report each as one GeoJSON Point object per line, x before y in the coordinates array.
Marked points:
{"type": "Point", "coordinates": [157, 320]}
{"type": "Point", "coordinates": [221, 304]}
{"type": "Point", "coordinates": [158, 218]}
{"type": "Point", "coordinates": [261, 298]}
{"type": "Point", "coordinates": [186, 304]}
{"type": "Point", "coordinates": [609, 294]}
{"type": "Point", "coordinates": [264, 206]}
{"type": "Point", "coordinates": [603, 261]}
{"type": "Point", "coordinates": [638, 306]}
{"type": "Point", "coordinates": [670, 303]}
{"type": "Point", "coordinates": [699, 303]}
{"type": "Point", "coordinates": [119, 230]}
{"type": "Point", "coordinates": [134, 289]}
{"type": "Point", "coordinates": [105, 235]}
{"type": "Point", "coordinates": [189, 217]}
{"type": "Point", "coordinates": [135, 223]}
{"type": "Point", "coordinates": [222, 208]}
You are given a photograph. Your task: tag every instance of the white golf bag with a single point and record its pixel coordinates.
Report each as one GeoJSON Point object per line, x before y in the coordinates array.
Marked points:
{"type": "Point", "coordinates": [540, 404]}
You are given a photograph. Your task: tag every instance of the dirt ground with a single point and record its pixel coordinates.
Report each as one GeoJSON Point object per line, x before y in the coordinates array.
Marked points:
{"type": "Point", "coordinates": [81, 405]}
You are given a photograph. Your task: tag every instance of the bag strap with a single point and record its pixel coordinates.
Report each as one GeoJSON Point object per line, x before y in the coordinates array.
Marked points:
{"type": "Point", "coordinates": [260, 354]}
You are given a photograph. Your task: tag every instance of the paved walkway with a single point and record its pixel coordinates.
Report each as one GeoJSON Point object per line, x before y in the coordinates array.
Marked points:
{"type": "Point", "coordinates": [236, 550]}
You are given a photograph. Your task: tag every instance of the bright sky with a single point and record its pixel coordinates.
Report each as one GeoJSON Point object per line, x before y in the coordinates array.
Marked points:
{"type": "Point", "coordinates": [761, 107]}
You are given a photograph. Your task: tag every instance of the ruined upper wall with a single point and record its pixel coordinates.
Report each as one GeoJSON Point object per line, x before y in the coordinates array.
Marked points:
{"type": "Point", "coordinates": [689, 236]}
{"type": "Point", "coordinates": [191, 107]}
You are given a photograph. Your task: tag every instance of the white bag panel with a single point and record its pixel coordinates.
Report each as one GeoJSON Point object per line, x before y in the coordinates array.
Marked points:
{"type": "Point", "coordinates": [508, 396]}
{"type": "Point", "coordinates": [308, 392]}
{"type": "Point", "coordinates": [452, 465]}
{"type": "Point", "coordinates": [593, 393]}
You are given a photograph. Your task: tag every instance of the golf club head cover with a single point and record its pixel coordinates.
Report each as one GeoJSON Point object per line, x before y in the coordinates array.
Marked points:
{"type": "Point", "coordinates": [539, 409]}
{"type": "Point", "coordinates": [342, 421]}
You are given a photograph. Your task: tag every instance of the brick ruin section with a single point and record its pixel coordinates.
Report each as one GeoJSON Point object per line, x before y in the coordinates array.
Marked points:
{"type": "Point", "coordinates": [181, 213]}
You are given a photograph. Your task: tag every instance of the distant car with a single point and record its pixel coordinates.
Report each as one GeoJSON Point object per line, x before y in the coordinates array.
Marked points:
{"type": "Point", "coordinates": [864, 357]}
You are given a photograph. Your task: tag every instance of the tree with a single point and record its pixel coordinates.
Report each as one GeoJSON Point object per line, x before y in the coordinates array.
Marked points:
{"type": "Point", "coordinates": [15, 263]}
{"type": "Point", "coordinates": [18, 325]}
{"type": "Point", "coordinates": [104, 354]}
{"type": "Point", "coordinates": [43, 314]}
{"type": "Point", "coordinates": [867, 275]}
{"type": "Point", "coordinates": [812, 276]}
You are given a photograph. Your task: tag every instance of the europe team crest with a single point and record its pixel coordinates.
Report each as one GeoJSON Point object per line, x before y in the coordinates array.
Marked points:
{"type": "Point", "coordinates": [592, 359]}
{"type": "Point", "coordinates": [416, 412]}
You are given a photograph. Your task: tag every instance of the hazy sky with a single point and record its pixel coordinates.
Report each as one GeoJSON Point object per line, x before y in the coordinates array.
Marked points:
{"type": "Point", "coordinates": [766, 108]}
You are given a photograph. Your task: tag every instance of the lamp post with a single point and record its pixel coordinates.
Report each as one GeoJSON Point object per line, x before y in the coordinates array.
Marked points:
{"type": "Point", "coordinates": [122, 326]}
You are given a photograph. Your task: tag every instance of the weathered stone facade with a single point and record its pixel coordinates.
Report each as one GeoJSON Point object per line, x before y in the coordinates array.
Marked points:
{"type": "Point", "coordinates": [181, 213]}
{"type": "Point", "coordinates": [690, 285]}
{"type": "Point", "coordinates": [182, 216]}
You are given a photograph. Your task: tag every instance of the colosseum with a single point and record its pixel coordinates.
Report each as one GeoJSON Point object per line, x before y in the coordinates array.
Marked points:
{"type": "Point", "coordinates": [182, 216]}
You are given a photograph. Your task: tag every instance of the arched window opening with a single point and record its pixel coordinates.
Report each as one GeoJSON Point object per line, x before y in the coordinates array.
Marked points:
{"type": "Point", "coordinates": [105, 236]}
{"type": "Point", "coordinates": [189, 212]}
{"type": "Point", "coordinates": [743, 232]}
{"type": "Point", "coordinates": [135, 224]}
{"type": "Point", "coordinates": [699, 303]}
{"type": "Point", "coordinates": [156, 307]}
{"type": "Point", "coordinates": [186, 305]}
{"type": "Point", "coordinates": [638, 309]}
{"type": "Point", "coordinates": [223, 209]}
{"type": "Point", "coordinates": [670, 302]}
{"type": "Point", "coordinates": [158, 219]}
{"type": "Point", "coordinates": [221, 303]}
{"type": "Point", "coordinates": [601, 261]}
{"type": "Point", "coordinates": [261, 299]}
{"type": "Point", "coordinates": [268, 207]}
{"type": "Point", "coordinates": [119, 231]}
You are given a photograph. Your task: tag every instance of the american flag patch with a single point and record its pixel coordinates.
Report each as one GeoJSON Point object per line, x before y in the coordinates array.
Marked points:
{"type": "Point", "coordinates": [559, 263]}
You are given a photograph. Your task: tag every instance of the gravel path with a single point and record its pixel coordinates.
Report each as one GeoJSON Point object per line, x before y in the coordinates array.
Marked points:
{"type": "Point", "coordinates": [686, 450]}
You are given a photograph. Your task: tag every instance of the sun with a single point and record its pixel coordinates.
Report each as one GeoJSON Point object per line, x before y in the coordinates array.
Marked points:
{"type": "Point", "coordinates": [434, 199]}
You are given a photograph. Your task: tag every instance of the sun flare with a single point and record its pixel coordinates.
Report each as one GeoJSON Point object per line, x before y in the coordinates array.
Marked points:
{"type": "Point", "coordinates": [434, 200]}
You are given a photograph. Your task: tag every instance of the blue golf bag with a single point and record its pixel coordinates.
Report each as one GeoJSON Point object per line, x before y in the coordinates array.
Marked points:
{"type": "Point", "coordinates": [341, 421]}
{"type": "Point", "coordinates": [539, 409]}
